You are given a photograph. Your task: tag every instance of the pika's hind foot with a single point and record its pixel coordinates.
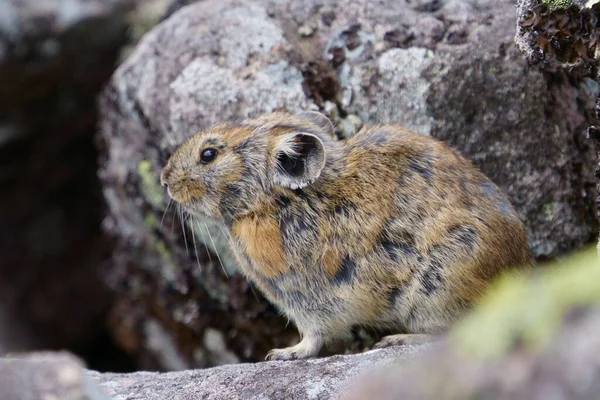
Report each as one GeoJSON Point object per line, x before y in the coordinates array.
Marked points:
{"type": "Point", "coordinates": [308, 347]}
{"type": "Point", "coordinates": [404, 339]}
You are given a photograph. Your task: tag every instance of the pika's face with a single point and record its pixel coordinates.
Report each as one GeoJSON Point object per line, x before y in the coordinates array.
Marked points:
{"type": "Point", "coordinates": [206, 170]}
{"type": "Point", "coordinates": [227, 171]}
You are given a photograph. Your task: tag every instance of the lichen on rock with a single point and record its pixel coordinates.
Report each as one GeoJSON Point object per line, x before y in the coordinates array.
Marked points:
{"type": "Point", "coordinates": [557, 4]}
{"type": "Point", "coordinates": [152, 190]}
{"type": "Point", "coordinates": [560, 34]}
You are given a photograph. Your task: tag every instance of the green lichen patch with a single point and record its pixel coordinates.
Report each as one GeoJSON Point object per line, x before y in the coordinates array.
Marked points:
{"type": "Point", "coordinates": [527, 308]}
{"type": "Point", "coordinates": [557, 4]}
{"type": "Point", "coordinates": [151, 189]}
{"type": "Point", "coordinates": [161, 249]}
{"type": "Point", "coordinates": [150, 221]}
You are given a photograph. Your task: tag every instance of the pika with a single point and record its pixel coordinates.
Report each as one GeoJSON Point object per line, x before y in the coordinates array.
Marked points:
{"type": "Point", "coordinates": [388, 229]}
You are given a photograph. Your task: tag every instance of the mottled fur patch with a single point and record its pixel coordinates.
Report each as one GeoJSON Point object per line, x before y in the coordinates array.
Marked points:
{"type": "Point", "coordinates": [346, 272]}
{"type": "Point", "coordinates": [379, 137]}
{"type": "Point", "coordinates": [331, 263]}
{"type": "Point", "coordinates": [422, 166]}
{"type": "Point", "coordinates": [397, 250]}
{"type": "Point", "coordinates": [431, 278]}
{"type": "Point", "coordinates": [345, 208]}
{"type": "Point", "coordinates": [262, 242]}
{"type": "Point", "coordinates": [464, 235]}
{"type": "Point", "coordinates": [393, 295]}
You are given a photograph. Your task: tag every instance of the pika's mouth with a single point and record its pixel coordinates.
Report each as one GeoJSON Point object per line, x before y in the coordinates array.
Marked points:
{"type": "Point", "coordinates": [180, 196]}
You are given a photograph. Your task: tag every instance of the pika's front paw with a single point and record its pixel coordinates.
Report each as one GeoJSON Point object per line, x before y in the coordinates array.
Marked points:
{"type": "Point", "coordinates": [404, 339]}
{"type": "Point", "coordinates": [281, 354]}
{"type": "Point", "coordinates": [308, 347]}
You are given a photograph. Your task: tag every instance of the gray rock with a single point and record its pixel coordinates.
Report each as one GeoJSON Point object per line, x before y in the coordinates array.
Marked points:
{"type": "Point", "coordinates": [568, 369]}
{"type": "Point", "coordinates": [46, 376]}
{"type": "Point", "coordinates": [325, 378]}
{"type": "Point", "coordinates": [446, 68]}
{"type": "Point", "coordinates": [594, 135]}
{"type": "Point", "coordinates": [572, 49]}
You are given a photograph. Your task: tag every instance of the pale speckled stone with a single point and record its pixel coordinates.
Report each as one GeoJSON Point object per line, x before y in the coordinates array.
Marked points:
{"type": "Point", "coordinates": [45, 376]}
{"type": "Point", "coordinates": [324, 378]}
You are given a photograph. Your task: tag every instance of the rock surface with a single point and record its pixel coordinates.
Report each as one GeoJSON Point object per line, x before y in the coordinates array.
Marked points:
{"type": "Point", "coordinates": [559, 34]}
{"type": "Point", "coordinates": [325, 378]}
{"type": "Point", "coordinates": [446, 68]}
{"type": "Point", "coordinates": [46, 376]}
{"type": "Point", "coordinates": [564, 35]}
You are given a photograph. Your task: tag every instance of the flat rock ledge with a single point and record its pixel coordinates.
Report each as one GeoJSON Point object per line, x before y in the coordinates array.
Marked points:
{"type": "Point", "coordinates": [61, 376]}
{"type": "Point", "coordinates": [320, 378]}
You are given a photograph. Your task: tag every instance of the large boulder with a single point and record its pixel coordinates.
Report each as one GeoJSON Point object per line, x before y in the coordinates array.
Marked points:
{"type": "Point", "coordinates": [445, 68]}
{"type": "Point", "coordinates": [557, 35]}
{"type": "Point", "coordinates": [325, 378]}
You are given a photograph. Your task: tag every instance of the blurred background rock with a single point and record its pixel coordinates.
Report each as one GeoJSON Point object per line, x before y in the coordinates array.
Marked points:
{"type": "Point", "coordinates": [89, 264]}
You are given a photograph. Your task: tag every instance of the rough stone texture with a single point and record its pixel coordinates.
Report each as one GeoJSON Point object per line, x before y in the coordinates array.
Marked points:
{"type": "Point", "coordinates": [325, 378]}
{"type": "Point", "coordinates": [594, 135]}
{"type": "Point", "coordinates": [46, 376]}
{"type": "Point", "coordinates": [445, 68]}
{"type": "Point", "coordinates": [559, 35]}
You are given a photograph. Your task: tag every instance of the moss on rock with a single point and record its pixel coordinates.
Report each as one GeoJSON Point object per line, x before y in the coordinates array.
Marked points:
{"type": "Point", "coordinates": [151, 188]}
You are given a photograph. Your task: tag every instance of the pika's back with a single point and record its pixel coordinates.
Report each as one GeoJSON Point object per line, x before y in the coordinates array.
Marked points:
{"type": "Point", "coordinates": [415, 197]}
{"type": "Point", "coordinates": [440, 191]}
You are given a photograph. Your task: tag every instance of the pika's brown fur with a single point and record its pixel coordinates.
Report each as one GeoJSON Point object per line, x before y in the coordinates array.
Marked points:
{"type": "Point", "coordinates": [386, 229]}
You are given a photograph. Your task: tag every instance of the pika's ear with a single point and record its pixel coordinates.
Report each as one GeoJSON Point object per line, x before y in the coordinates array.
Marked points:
{"type": "Point", "coordinates": [299, 160]}
{"type": "Point", "coordinates": [320, 120]}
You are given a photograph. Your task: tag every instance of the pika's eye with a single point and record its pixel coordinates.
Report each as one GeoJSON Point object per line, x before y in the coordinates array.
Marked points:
{"type": "Point", "coordinates": [207, 155]}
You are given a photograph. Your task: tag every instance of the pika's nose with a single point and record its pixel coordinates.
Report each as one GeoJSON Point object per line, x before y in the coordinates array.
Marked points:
{"type": "Point", "coordinates": [164, 176]}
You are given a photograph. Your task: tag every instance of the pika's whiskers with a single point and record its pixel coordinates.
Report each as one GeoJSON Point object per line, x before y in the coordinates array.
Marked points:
{"type": "Point", "coordinates": [216, 250]}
